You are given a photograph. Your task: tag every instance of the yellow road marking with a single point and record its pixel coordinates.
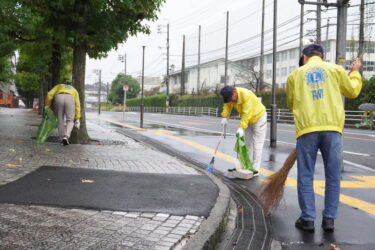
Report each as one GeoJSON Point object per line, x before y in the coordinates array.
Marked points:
{"type": "Point", "coordinates": [356, 138]}
{"type": "Point", "coordinates": [367, 181]}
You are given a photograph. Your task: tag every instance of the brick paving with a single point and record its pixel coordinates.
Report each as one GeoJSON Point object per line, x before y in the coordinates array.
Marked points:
{"type": "Point", "coordinates": [42, 227]}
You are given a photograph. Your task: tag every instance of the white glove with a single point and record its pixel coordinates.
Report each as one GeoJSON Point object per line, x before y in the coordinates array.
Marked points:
{"type": "Point", "coordinates": [240, 132]}
{"type": "Point", "coordinates": [224, 121]}
{"type": "Point", "coordinates": [77, 124]}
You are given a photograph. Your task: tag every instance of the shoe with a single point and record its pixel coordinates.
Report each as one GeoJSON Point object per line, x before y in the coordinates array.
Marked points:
{"type": "Point", "coordinates": [256, 173]}
{"type": "Point", "coordinates": [305, 225]}
{"type": "Point", "coordinates": [328, 224]}
{"type": "Point", "coordinates": [65, 141]}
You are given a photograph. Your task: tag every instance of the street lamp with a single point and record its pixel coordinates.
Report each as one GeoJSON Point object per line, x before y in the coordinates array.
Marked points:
{"type": "Point", "coordinates": [143, 79]}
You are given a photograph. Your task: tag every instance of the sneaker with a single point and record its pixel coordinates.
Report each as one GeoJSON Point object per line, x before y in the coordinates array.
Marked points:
{"type": "Point", "coordinates": [305, 225]}
{"type": "Point", "coordinates": [328, 224]}
{"type": "Point", "coordinates": [256, 173]}
{"type": "Point", "coordinates": [65, 141]}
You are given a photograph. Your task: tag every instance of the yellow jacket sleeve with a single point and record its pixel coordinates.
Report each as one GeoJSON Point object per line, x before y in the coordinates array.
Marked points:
{"type": "Point", "coordinates": [227, 109]}
{"type": "Point", "coordinates": [78, 106]}
{"type": "Point", "coordinates": [290, 91]}
{"type": "Point", "coordinates": [350, 86]}
{"type": "Point", "coordinates": [51, 94]}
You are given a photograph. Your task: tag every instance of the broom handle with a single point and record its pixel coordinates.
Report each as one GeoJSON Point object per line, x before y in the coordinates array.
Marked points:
{"type": "Point", "coordinates": [221, 137]}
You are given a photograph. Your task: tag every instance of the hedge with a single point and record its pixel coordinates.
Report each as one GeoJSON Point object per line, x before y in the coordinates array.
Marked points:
{"type": "Point", "coordinates": [214, 101]}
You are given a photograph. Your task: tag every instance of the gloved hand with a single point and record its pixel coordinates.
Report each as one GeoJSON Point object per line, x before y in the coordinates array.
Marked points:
{"type": "Point", "coordinates": [77, 124]}
{"type": "Point", "coordinates": [240, 131]}
{"type": "Point", "coordinates": [224, 121]}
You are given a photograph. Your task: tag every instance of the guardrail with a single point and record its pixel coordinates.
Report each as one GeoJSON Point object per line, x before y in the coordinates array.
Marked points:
{"type": "Point", "coordinates": [352, 118]}
{"type": "Point", "coordinates": [178, 110]}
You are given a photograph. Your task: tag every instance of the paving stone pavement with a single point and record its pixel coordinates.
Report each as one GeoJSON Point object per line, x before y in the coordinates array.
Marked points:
{"type": "Point", "coordinates": [42, 227]}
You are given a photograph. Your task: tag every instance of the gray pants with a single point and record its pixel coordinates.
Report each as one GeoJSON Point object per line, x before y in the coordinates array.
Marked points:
{"type": "Point", "coordinates": [65, 108]}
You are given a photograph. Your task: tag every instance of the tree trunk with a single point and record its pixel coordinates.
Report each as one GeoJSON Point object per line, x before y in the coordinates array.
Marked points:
{"type": "Point", "coordinates": [79, 64]}
{"type": "Point", "coordinates": [55, 65]}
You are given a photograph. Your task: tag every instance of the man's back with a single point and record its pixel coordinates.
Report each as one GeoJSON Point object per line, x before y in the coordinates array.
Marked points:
{"type": "Point", "coordinates": [314, 95]}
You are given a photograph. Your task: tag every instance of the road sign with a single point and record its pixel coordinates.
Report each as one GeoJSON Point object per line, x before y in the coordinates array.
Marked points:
{"type": "Point", "coordinates": [126, 87]}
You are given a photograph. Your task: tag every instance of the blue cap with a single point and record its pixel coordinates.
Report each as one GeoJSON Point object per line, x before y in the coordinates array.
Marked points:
{"type": "Point", "coordinates": [227, 93]}
{"type": "Point", "coordinates": [309, 49]}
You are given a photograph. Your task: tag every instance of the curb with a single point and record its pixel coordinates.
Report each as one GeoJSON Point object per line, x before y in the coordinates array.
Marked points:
{"type": "Point", "coordinates": [209, 233]}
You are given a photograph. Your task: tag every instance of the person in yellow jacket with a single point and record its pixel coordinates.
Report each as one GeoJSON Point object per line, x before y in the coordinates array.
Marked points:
{"type": "Point", "coordinates": [253, 123]}
{"type": "Point", "coordinates": [314, 96]}
{"type": "Point", "coordinates": [67, 107]}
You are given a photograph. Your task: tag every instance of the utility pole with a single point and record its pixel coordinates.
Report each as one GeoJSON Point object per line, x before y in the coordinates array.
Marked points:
{"type": "Point", "coordinates": [143, 80]}
{"type": "Point", "coordinates": [100, 86]}
{"type": "Point", "coordinates": [318, 23]}
{"type": "Point", "coordinates": [261, 67]}
{"type": "Point", "coordinates": [123, 59]}
{"type": "Point", "coordinates": [327, 42]}
{"type": "Point", "coordinates": [226, 52]}
{"type": "Point", "coordinates": [125, 63]}
{"type": "Point", "coordinates": [160, 27]}
{"type": "Point", "coordinates": [167, 78]}
{"type": "Point", "coordinates": [301, 30]}
{"type": "Point", "coordinates": [273, 105]}
{"type": "Point", "coordinates": [199, 60]}
{"type": "Point", "coordinates": [342, 13]}
{"type": "Point", "coordinates": [361, 30]}
{"type": "Point", "coordinates": [183, 67]}
{"type": "Point", "coordinates": [107, 92]}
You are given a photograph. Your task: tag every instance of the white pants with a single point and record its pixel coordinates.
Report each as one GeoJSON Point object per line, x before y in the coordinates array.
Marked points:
{"type": "Point", "coordinates": [255, 134]}
{"type": "Point", "coordinates": [65, 108]}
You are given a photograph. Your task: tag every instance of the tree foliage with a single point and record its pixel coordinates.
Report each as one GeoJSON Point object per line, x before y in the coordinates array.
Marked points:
{"type": "Point", "coordinates": [116, 94]}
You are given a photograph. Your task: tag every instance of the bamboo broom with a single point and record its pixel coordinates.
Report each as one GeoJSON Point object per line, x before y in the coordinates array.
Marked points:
{"type": "Point", "coordinates": [272, 191]}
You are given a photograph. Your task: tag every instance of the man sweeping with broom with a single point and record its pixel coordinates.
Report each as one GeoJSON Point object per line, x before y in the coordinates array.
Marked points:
{"type": "Point", "coordinates": [314, 96]}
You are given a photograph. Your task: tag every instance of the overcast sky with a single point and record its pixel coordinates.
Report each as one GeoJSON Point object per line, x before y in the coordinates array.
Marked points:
{"type": "Point", "coordinates": [184, 17]}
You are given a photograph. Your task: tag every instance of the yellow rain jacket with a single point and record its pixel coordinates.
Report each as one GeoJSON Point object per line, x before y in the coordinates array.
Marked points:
{"type": "Point", "coordinates": [314, 95]}
{"type": "Point", "coordinates": [64, 88]}
{"type": "Point", "coordinates": [248, 106]}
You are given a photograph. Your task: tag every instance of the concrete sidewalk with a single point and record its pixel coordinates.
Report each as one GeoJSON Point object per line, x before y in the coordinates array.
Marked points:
{"type": "Point", "coordinates": [35, 227]}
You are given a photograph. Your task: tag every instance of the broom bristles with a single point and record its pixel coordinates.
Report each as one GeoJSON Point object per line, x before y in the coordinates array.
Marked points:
{"type": "Point", "coordinates": [272, 191]}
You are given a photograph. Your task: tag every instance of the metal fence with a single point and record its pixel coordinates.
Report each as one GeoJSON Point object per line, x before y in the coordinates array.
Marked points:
{"type": "Point", "coordinates": [178, 110]}
{"type": "Point", "coordinates": [352, 118]}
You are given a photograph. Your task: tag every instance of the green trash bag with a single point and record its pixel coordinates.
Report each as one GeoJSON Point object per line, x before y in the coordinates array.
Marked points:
{"type": "Point", "coordinates": [49, 122]}
{"type": "Point", "coordinates": [243, 153]}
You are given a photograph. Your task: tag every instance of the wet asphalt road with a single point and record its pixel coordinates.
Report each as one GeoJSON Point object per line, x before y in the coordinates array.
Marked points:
{"type": "Point", "coordinates": [195, 136]}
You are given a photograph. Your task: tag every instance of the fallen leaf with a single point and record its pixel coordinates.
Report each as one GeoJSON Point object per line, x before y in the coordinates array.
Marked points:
{"type": "Point", "coordinates": [47, 150]}
{"type": "Point", "coordinates": [12, 150]}
{"type": "Point", "coordinates": [87, 181]}
{"type": "Point", "coordinates": [11, 165]}
{"type": "Point", "coordinates": [20, 141]}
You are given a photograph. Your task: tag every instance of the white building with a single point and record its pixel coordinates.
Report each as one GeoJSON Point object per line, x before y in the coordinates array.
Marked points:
{"type": "Point", "coordinates": [287, 60]}
{"type": "Point", "coordinates": [212, 73]}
